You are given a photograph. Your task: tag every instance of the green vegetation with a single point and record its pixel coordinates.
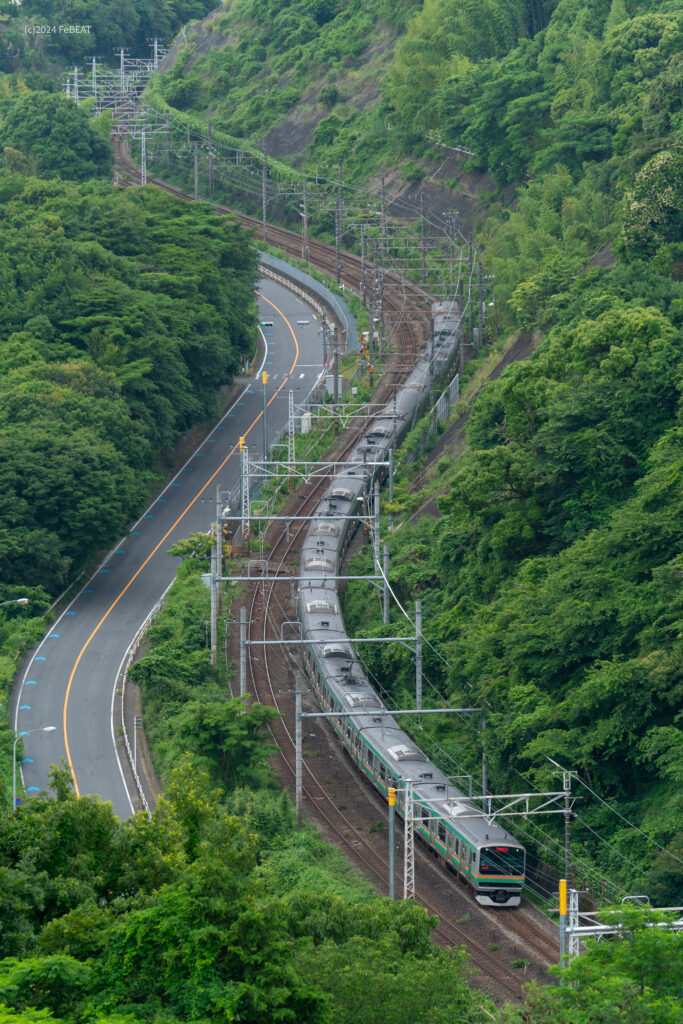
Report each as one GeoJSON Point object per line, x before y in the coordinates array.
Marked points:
{"type": "Point", "coordinates": [48, 136]}
{"type": "Point", "coordinates": [266, 58]}
{"type": "Point", "coordinates": [636, 979]}
{"type": "Point", "coordinates": [601, 83]}
{"type": "Point", "coordinates": [123, 312]}
{"type": "Point", "coordinates": [77, 29]}
{"type": "Point", "coordinates": [550, 582]}
{"type": "Point", "coordinates": [217, 908]}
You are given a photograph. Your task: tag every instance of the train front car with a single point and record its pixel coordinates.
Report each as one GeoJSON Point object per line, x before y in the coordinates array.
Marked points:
{"type": "Point", "coordinates": [498, 870]}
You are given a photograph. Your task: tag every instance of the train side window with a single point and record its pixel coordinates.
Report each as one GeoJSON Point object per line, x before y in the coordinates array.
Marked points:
{"type": "Point", "coordinates": [370, 758]}
{"type": "Point", "coordinates": [441, 831]}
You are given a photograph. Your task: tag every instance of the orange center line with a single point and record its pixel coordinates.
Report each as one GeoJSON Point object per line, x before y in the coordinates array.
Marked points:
{"type": "Point", "coordinates": [162, 541]}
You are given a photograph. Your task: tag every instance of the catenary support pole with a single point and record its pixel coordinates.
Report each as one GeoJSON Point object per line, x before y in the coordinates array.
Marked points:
{"type": "Point", "coordinates": [243, 651]}
{"type": "Point", "coordinates": [423, 250]}
{"type": "Point", "coordinates": [335, 385]}
{"type": "Point", "coordinates": [567, 785]}
{"type": "Point", "coordinates": [219, 549]}
{"type": "Point", "coordinates": [418, 655]}
{"type": "Point", "coordinates": [470, 271]}
{"type": "Point", "coordinates": [391, 792]}
{"type": "Point", "coordinates": [391, 477]}
{"type": "Point", "coordinates": [385, 586]}
{"type": "Point", "coordinates": [214, 582]}
{"type": "Point", "coordinates": [304, 236]}
{"type": "Point", "coordinates": [362, 265]}
{"type": "Point", "coordinates": [563, 922]}
{"type": "Point", "coordinates": [298, 743]}
{"type": "Point", "coordinates": [209, 153]}
{"type": "Point", "coordinates": [264, 378]}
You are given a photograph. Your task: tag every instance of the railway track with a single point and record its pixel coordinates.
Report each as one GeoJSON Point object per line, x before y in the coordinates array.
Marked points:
{"type": "Point", "coordinates": [270, 605]}
{"type": "Point", "coordinates": [513, 935]}
{"type": "Point", "coordinates": [406, 305]}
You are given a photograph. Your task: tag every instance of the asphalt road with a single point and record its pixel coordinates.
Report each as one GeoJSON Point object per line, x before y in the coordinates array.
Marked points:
{"type": "Point", "coordinates": [70, 679]}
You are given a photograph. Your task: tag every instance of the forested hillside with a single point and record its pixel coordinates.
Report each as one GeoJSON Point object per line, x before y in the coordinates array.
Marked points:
{"type": "Point", "coordinates": [122, 314]}
{"type": "Point", "coordinates": [79, 29]}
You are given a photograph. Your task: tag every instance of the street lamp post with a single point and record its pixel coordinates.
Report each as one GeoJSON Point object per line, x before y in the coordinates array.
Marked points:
{"type": "Point", "coordinates": [14, 600]}
{"type": "Point", "coordinates": [25, 732]}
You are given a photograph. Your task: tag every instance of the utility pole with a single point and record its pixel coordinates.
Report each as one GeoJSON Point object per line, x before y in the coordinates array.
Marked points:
{"type": "Point", "coordinates": [143, 158]}
{"type": "Point", "coordinates": [340, 215]}
{"type": "Point", "coordinates": [168, 140]}
{"type": "Point", "coordinates": [210, 157]}
{"type": "Point", "coordinates": [219, 549]}
{"type": "Point", "coordinates": [337, 240]}
{"type": "Point", "coordinates": [418, 655]}
{"type": "Point", "coordinates": [196, 172]}
{"type": "Point", "coordinates": [567, 786]}
{"type": "Point", "coordinates": [383, 226]}
{"type": "Point", "coordinates": [461, 332]}
{"type": "Point", "coordinates": [298, 744]}
{"type": "Point", "coordinates": [450, 226]}
{"type": "Point", "coordinates": [122, 73]}
{"type": "Point", "coordinates": [484, 766]}
{"type": "Point", "coordinates": [482, 302]}
{"type": "Point", "coordinates": [385, 586]}
{"type": "Point", "coordinates": [264, 378]}
{"type": "Point", "coordinates": [304, 236]}
{"type": "Point", "coordinates": [264, 196]}
{"type": "Point", "coordinates": [391, 471]}
{"type": "Point", "coordinates": [391, 793]}
{"type": "Point", "coordinates": [423, 251]}
{"type": "Point", "coordinates": [214, 575]}
{"type": "Point", "coordinates": [376, 517]}
{"type": "Point", "coordinates": [325, 330]}
{"type": "Point", "coordinates": [469, 288]}
{"type": "Point", "coordinates": [245, 504]}
{"type": "Point", "coordinates": [408, 843]}
{"type": "Point", "coordinates": [563, 922]}
{"type": "Point", "coordinates": [371, 309]}
{"type": "Point", "coordinates": [291, 445]}
{"type": "Point", "coordinates": [243, 651]}
{"type": "Point", "coordinates": [362, 263]}
{"type": "Point", "coordinates": [76, 85]}
{"type": "Point", "coordinates": [335, 385]}
{"type": "Point", "coordinates": [381, 312]}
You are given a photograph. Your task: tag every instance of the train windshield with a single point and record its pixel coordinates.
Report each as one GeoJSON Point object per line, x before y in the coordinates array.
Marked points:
{"type": "Point", "coordinates": [502, 860]}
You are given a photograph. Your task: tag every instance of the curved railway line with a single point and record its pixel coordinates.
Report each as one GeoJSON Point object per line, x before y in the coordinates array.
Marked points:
{"type": "Point", "coordinates": [494, 939]}
{"type": "Point", "coordinates": [268, 608]}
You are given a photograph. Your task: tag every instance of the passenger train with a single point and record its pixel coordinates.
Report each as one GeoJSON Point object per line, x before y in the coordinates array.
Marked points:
{"type": "Point", "coordinates": [483, 854]}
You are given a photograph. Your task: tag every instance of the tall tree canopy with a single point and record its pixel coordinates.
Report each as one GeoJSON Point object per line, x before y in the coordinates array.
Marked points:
{"type": "Point", "coordinates": [122, 314]}
{"type": "Point", "coordinates": [55, 137]}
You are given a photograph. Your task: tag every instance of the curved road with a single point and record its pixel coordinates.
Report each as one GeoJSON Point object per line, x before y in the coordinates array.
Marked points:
{"type": "Point", "coordinates": [69, 682]}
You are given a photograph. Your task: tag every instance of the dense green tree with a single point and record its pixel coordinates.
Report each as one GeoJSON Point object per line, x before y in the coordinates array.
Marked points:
{"type": "Point", "coordinates": [55, 137]}
{"type": "Point", "coordinates": [122, 314]}
{"type": "Point", "coordinates": [635, 979]}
